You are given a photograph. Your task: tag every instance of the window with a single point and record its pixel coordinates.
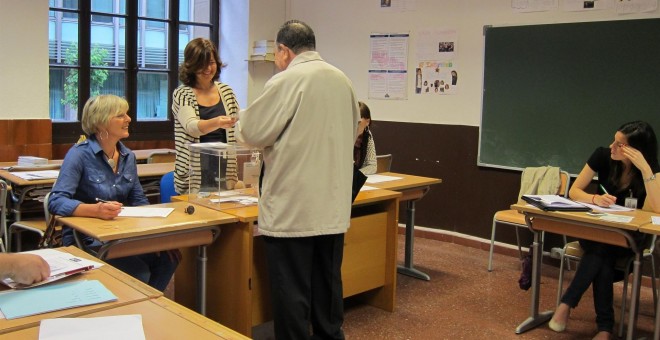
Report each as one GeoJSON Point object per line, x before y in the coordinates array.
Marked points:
{"type": "Point", "coordinates": [131, 48]}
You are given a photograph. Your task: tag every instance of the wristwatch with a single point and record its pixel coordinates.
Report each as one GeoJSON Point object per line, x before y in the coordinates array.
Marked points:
{"type": "Point", "coordinates": [649, 179]}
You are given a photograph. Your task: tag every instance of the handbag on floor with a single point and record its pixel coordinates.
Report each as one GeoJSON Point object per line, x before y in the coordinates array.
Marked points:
{"type": "Point", "coordinates": [52, 237]}
{"type": "Point", "coordinates": [525, 280]}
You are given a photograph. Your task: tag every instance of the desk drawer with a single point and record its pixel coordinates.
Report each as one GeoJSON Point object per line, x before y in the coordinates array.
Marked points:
{"type": "Point", "coordinates": [365, 255]}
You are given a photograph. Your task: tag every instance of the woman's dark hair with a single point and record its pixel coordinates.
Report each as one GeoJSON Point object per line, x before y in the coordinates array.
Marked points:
{"type": "Point", "coordinates": [640, 136]}
{"type": "Point", "coordinates": [197, 56]}
{"type": "Point", "coordinates": [297, 36]}
{"type": "Point", "coordinates": [366, 135]}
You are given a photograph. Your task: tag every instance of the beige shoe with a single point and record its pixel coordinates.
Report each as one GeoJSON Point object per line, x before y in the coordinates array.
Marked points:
{"type": "Point", "coordinates": [556, 326]}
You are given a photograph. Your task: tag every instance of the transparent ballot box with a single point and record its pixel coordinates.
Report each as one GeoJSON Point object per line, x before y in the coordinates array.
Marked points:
{"type": "Point", "coordinates": [223, 176]}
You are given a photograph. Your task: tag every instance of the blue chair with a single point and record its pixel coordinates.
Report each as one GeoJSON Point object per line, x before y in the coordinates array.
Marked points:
{"type": "Point", "coordinates": [167, 187]}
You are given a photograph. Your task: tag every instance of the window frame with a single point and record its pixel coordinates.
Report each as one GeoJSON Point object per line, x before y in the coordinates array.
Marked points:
{"type": "Point", "coordinates": [69, 132]}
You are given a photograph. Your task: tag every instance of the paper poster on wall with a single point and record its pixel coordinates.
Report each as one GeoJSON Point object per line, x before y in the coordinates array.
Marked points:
{"type": "Point", "coordinates": [525, 6]}
{"type": "Point", "coordinates": [436, 77]}
{"type": "Point", "coordinates": [436, 44]}
{"type": "Point", "coordinates": [388, 70]}
{"type": "Point", "coordinates": [635, 6]}
{"type": "Point", "coordinates": [582, 5]}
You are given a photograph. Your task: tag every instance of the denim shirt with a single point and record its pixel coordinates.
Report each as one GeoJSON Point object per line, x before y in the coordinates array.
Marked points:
{"type": "Point", "coordinates": [86, 175]}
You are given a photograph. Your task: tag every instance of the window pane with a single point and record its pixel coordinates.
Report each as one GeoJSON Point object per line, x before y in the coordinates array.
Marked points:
{"type": "Point", "coordinates": [104, 39]}
{"type": "Point", "coordinates": [63, 94]}
{"type": "Point", "coordinates": [195, 10]}
{"type": "Point", "coordinates": [153, 9]}
{"type": "Point", "coordinates": [152, 47]}
{"type": "Point", "coordinates": [108, 82]}
{"type": "Point", "coordinates": [109, 6]}
{"type": "Point", "coordinates": [69, 4]}
{"type": "Point", "coordinates": [190, 32]}
{"type": "Point", "coordinates": [152, 96]}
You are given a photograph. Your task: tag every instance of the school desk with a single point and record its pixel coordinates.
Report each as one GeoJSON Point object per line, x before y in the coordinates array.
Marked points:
{"type": "Point", "coordinates": [126, 236]}
{"type": "Point", "coordinates": [162, 319]}
{"type": "Point", "coordinates": [654, 229]}
{"type": "Point", "coordinates": [127, 290]}
{"type": "Point", "coordinates": [581, 225]}
{"type": "Point", "coordinates": [237, 267]}
{"type": "Point", "coordinates": [413, 189]}
{"type": "Point", "coordinates": [22, 189]}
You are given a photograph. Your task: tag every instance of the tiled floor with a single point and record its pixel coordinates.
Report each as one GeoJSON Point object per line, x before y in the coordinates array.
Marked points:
{"type": "Point", "coordinates": [464, 301]}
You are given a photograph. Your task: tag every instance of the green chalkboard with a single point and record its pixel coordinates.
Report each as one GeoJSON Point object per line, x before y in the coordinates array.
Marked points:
{"type": "Point", "coordinates": [553, 93]}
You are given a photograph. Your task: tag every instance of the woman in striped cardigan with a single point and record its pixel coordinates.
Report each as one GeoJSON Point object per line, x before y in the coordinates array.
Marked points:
{"type": "Point", "coordinates": [204, 110]}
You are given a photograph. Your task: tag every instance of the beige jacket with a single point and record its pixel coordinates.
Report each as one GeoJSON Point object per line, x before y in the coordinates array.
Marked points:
{"type": "Point", "coordinates": [543, 180]}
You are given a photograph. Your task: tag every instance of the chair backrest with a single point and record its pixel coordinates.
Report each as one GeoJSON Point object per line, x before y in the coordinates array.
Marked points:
{"type": "Point", "coordinates": [162, 157]}
{"type": "Point", "coordinates": [4, 188]}
{"type": "Point", "coordinates": [383, 163]}
{"type": "Point", "coordinates": [46, 212]}
{"type": "Point", "coordinates": [565, 183]}
{"type": "Point", "coordinates": [167, 189]}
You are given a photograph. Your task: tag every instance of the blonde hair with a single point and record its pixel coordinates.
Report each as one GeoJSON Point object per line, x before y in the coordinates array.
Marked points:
{"type": "Point", "coordinates": [98, 111]}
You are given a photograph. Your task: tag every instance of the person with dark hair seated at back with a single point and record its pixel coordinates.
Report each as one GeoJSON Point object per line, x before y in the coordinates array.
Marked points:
{"type": "Point", "coordinates": [364, 153]}
{"type": "Point", "coordinates": [98, 177]}
{"type": "Point", "coordinates": [628, 168]}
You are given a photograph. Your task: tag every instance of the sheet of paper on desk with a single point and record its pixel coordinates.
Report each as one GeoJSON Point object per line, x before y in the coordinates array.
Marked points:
{"type": "Point", "coordinates": [611, 208]}
{"type": "Point", "coordinates": [124, 327]}
{"type": "Point", "coordinates": [655, 220]}
{"type": "Point", "coordinates": [381, 178]}
{"type": "Point", "coordinates": [19, 303]}
{"type": "Point", "coordinates": [616, 218]}
{"type": "Point", "coordinates": [367, 188]}
{"type": "Point", "coordinates": [37, 175]}
{"type": "Point", "coordinates": [62, 264]}
{"type": "Point", "coordinates": [145, 212]}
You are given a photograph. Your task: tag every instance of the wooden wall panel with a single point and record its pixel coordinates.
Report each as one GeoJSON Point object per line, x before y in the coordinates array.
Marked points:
{"type": "Point", "coordinates": [25, 137]}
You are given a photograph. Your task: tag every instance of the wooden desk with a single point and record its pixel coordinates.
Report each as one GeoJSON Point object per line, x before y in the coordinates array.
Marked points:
{"type": "Point", "coordinates": [413, 189]}
{"type": "Point", "coordinates": [162, 319]}
{"type": "Point", "coordinates": [149, 174]}
{"type": "Point", "coordinates": [238, 275]}
{"type": "Point", "coordinates": [580, 225]}
{"type": "Point", "coordinates": [127, 290]}
{"type": "Point", "coordinates": [126, 236]}
{"type": "Point", "coordinates": [653, 229]}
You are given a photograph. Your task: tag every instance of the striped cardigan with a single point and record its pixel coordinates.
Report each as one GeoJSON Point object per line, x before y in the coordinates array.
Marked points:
{"type": "Point", "coordinates": [187, 168]}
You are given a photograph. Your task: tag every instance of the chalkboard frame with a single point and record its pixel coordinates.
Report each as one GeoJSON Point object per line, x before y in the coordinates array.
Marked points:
{"type": "Point", "coordinates": [552, 93]}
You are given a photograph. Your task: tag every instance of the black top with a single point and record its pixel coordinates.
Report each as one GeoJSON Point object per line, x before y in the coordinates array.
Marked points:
{"type": "Point", "coordinates": [209, 112]}
{"type": "Point", "coordinates": [601, 162]}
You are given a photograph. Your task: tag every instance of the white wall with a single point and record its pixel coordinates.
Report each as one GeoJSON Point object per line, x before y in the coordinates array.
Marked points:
{"type": "Point", "coordinates": [342, 30]}
{"type": "Point", "coordinates": [24, 59]}
{"type": "Point", "coordinates": [243, 22]}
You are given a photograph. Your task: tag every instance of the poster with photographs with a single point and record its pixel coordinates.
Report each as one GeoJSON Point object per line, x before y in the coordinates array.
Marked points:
{"type": "Point", "coordinates": [436, 77]}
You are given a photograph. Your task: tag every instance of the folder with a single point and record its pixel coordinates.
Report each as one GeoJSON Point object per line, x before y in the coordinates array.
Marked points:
{"type": "Point", "coordinates": [554, 203]}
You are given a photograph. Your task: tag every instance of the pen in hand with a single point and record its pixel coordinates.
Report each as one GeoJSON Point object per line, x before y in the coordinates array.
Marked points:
{"type": "Point", "coordinates": [601, 186]}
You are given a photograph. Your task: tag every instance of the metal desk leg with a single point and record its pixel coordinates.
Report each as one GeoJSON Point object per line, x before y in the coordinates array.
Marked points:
{"type": "Point", "coordinates": [535, 318]}
{"type": "Point", "coordinates": [201, 280]}
{"type": "Point", "coordinates": [634, 299]}
{"type": "Point", "coordinates": [407, 268]}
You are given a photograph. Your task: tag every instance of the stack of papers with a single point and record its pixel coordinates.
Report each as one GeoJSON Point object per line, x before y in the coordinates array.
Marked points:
{"type": "Point", "coordinates": [31, 161]}
{"type": "Point", "coordinates": [61, 265]}
{"type": "Point", "coordinates": [37, 175]}
{"type": "Point", "coordinates": [554, 203]}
